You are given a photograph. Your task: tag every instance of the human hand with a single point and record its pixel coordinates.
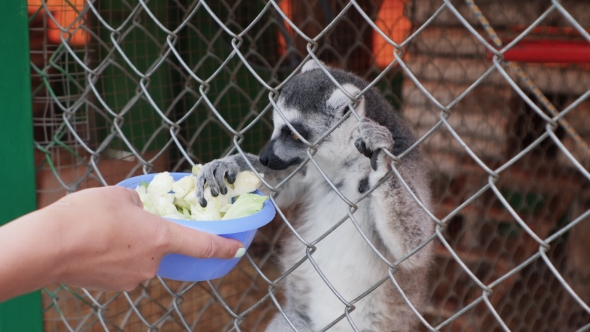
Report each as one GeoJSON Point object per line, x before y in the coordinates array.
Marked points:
{"type": "Point", "coordinates": [111, 243]}
{"type": "Point", "coordinates": [100, 239]}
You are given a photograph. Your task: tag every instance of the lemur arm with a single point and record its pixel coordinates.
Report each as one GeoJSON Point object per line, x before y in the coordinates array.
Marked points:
{"type": "Point", "coordinates": [399, 220]}
{"type": "Point", "coordinates": [216, 172]}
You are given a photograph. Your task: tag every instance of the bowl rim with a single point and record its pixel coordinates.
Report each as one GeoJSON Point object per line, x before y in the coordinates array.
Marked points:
{"type": "Point", "coordinates": [219, 227]}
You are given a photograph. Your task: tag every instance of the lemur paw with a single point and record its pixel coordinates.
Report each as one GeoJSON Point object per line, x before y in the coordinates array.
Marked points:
{"type": "Point", "coordinates": [373, 138]}
{"type": "Point", "coordinates": [213, 174]}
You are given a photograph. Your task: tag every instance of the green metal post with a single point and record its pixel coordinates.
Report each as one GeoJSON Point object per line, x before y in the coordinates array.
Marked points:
{"type": "Point", "coordinates": [17, 166]}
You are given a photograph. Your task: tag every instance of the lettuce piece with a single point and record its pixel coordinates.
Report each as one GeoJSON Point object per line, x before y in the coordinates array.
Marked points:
{"type": "Point", "coordinates": [156, 198]}
{"type": "Point", "coordinates": [183, 186]}
{"type": "Point", "coordinates": [178, 200]}
{"type": "Point", "coordinates": [164, 205]}
{"type": "Point", "coordinates": [181, 203]}
{"type": "Point", "coordinates": [225, 208]}
{"type": "Point", "coordinates": [161, 184]}
{"type": "Point", "coordinates": [245, 205]}
{"type": "Point", "coordinates": [186, 213]}
{"type": "Point", "coordinates": [148, 205]}
{"type": "Point", "coordinates": [197, 169]}
{"type": "Point", "coordinates": [218, 201]}
{"type": "Point", "coordinates": [246, 182]}
{"type": "Point", "coordinates": [191, 198]}
{"type": "Point", "coordinates": [209, 213]}
{"type": "Point", "coordinates": [182, 189]}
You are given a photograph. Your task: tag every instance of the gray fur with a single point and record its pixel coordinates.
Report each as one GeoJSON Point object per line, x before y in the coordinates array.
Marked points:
{"type": "Point", "coordinates": [352, 159]}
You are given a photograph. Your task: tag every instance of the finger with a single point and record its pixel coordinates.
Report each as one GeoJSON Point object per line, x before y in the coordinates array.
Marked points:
{"type": "Point", "coordinates": [117, 192]}
{"type": "Point", "coordinates": [232, 174]}
{"type": "Point", "coordinates": [201, 191]}
{"type": "Point", "coordinates": [135, 197]}
{"type": "Point", "coordinates": [361, 146]}
{"type": "Point", "coordinates": [365, 121]}
{"type": "Point", "coordinates": [219, 177]}
{"type": "Point", "coordinates": [210, 178]}
{"type": "Point", "coordinates": [194, 243]}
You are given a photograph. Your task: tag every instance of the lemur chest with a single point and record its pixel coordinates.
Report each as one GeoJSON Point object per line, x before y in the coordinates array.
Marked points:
{"type": "Point", "coordinates": [328, 201]}
{"type": "Point", "coordinates": [342, 254]}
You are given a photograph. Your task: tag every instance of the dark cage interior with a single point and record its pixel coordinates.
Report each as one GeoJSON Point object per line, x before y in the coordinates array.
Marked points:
{"type": "Point", "coordinates": [122, 88]}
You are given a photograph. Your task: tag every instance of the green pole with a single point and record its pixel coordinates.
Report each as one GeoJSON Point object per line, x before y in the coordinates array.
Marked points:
{"type": "Point", "coordinates": [17, 165]}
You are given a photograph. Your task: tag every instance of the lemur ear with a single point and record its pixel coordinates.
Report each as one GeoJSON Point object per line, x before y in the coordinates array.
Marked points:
{"type": "Point", "coordinates": [311, 65]}
{"type": "Point", "coordinates": [339, 99]}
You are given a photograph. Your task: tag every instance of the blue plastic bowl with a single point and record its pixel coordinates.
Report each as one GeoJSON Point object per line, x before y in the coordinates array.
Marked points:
{"type": "Point", "coordinates": [186, 268]}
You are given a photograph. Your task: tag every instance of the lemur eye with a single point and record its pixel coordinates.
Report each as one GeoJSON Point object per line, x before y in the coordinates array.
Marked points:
{"type": "Point", "coordinates": [295, 136]}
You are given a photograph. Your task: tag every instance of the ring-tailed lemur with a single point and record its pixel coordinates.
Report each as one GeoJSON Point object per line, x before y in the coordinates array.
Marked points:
{"type": "Point", "coordinates": [389, 216]}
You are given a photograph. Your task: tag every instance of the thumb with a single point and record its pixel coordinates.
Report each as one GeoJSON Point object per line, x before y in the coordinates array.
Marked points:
{"type": "Point", "coordinates": [132, 196]}
{"type": "Point", "coordinates": [199, 244]}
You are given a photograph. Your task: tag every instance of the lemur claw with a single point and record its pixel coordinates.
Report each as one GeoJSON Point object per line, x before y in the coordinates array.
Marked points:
{"type": "Point", "coordinates": [374, 137]}
{"type": "Point", "coordinates": [362, 148]}
{"type": "Point", "coordinates": [214, 175]}
{"type": "Point", "coordinates": [374, 159]}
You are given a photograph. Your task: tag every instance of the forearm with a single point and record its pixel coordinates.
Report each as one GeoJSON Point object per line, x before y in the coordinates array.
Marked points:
{"type": "Point", "coordinates": [29, 248]}
{"type": "Point", "coordinates": [254, 161]}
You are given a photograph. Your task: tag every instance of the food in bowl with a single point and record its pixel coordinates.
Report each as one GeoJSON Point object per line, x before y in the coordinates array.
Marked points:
{"type": "Point", "coordinates": [186, 268]}
{"type": "Point", "coordinates": [177, 199]}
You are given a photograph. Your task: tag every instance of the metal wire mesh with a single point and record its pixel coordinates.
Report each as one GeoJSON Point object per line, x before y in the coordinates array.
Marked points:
{"type": "Point", "coordinates": [123, 87]}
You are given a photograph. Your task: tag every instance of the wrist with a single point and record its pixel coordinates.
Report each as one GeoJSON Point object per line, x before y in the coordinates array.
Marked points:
{"type": "Point", "coordinates": [57, 247]}
{"type": "Point", "coordinates": [29, 254]}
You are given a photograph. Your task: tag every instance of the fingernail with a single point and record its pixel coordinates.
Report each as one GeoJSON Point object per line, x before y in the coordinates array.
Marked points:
{"type": "Point", "coordinates": [240, 253]}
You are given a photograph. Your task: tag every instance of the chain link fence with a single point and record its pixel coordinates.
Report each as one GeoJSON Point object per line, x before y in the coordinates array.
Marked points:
{"type": "Point", "coordinates": [497, 92]}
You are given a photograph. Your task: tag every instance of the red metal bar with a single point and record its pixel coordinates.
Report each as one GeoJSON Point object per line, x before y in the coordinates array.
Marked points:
{"type": "Point", "coordinates": [549, 51]}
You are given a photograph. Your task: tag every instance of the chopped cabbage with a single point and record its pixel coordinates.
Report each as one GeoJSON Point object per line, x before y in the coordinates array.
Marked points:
{"type": "Point", "coordinates": [245, 205]}
{"type": "Point", "coordinates": [178, 200]}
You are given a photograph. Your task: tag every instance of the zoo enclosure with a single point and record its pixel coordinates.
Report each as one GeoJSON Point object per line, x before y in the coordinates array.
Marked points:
{"type": "Point", "coordinates": [122, 88]}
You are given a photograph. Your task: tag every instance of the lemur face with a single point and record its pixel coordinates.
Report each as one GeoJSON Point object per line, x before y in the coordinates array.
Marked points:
{"type": "Point", "coordinates": [312, 104]}
{"type": "Point", "coordinates": [286, 147]}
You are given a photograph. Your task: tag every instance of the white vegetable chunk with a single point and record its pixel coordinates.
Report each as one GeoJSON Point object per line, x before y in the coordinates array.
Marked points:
{"type": "Point", "coordinates": [245, 205]}
{"type": "Point", "coordinates": [161, 184]}
{"type": "Point", "coordinates": [178, 200]}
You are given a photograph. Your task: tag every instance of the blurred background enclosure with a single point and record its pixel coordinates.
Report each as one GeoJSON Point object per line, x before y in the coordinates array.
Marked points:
{"type": "Point", "coordinates": [121, 88]}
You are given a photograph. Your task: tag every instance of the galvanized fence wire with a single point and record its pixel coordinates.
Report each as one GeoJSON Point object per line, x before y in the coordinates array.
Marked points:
{"type": "Point", "coordinates": [89, 98]}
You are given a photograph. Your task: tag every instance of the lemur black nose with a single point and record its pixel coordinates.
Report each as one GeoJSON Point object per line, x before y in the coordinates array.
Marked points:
{"type": "Point", "coordinates": [266, 155]}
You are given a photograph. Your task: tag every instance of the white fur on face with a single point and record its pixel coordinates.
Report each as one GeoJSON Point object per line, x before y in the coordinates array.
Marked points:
{"type": "Point", "coordinates": [339, 99]}
{"type": "Point", "coordinates": [290, 114]}
{"type": "Point", "coordinates": [310, 65]}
